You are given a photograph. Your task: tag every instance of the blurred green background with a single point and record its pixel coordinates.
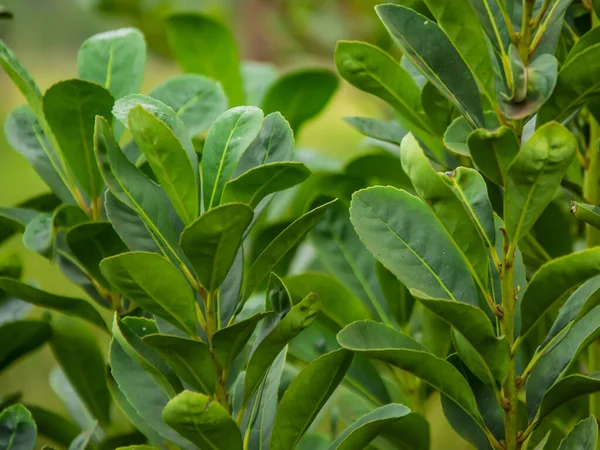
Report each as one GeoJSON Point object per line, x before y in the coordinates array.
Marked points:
{"type": "Point", "coordinates": [46, 34]}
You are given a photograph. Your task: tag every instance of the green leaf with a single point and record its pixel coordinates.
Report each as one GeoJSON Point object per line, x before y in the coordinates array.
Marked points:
{"type": "Point", "coordinates": [65, 391]}
{"type": "Point", "coordinates": [404, 235]}
{"type": "Point", "coordinates": [534, 175]}
{"type": "Point", "coordinates": [257, 78]}
{"type": "Point", "coordinates": [228, 342]}
{"type": "Point", "coordinates": [301, 95]}
{"type": "Point", "coordinates": [141, 398]}
{"type": "Point", "coordinates": [337, 301]}
{"type": "Point", "coordinates": [394, 422]}
{"type": "Point", "coordinates": [255, 184]}
{"type": "Point", "coordinates": [203, 45]}
{"type": "Point", "coordinates": [553, 280]}
{"type": "Point", "coordinates": [228, 138]}
{"type": "Point", "coordinates": [460, 22]}
{"type": "Point", "coordinates": [190, 360]}
{"type": "Point", "coordinates": [456, 135]}
{"type": "Point", "coordinates": [574, 87]}
{"type": "Point", "coordinates": [378, 169]}
{"type": "Point", "coordinates": [381, 342]}
{"type": "Point", "coordinates": [582, 437]}
{"type": "Point", "coordinates": [115, 60]}
{"type": "Point", "coordinates": [554, 364]}
{"type": "Point", "coordinates": [280, 246]}
{"type": "Point", "coordinates": [203, 421]}
{"type": "Point", "coordinates": [92, 242]}
{"type": "Point", "coordinates": [590, 214]}
{"type": "Point", "coordinates": [296, 320]}
{"type": "Point", "coordinates": [567, 389]}
{"type": "Point", "coordinates": [78, 352]}
{"type": "Point", "coordinates": [152, 282]}
{"type": "Point", "coordinates": [24, 133]}
{"type": "Point", "coordinates": [345, 257]}
{"type": "Point", "coordinates": [14, 220]}
{"type": "Point", "coordinates": [306, 395]}
{"type": "Point", "coordinates": [38, 235]}
{"type": "Point", "coordinates": [431, 55]}
{"type": "Point", "coordinates": [20, 338]}
{"type": "Point", "coordinates": [168, 160]}
{"type": "Point", "coordinates": [493, 151]}
{"type": "Point", "coordinates": [53, 426]}
{"type": "Point", "coordinates": [436, 106]}
{"type": "Point", "coordinates": [383, 130]}
{"type": "Point", "coordinates": [399, 300]}
{"type": "Point", "coordinates": [17, 429]}
{"type": "Point", "coordinates": [492, 21]}
{"type": "Point", "coordinates": [590, 38]}
{"type": "Point", "coordinates": [82, 441]}
{"type": "Point", "coordinates": [67, 305]}
{"type": "Point", "coordinates": [211, 242]}
{"type": "Point", "coordinates": [370, 69]}
{"type": "Point", "coordinates": [274, 143]}
{"type": "Point", "coordinates": [71, 108]}
{"type": "Point", "coordinates": [196, 99]}
{"type": "Point", "coordinates": [473, 325]}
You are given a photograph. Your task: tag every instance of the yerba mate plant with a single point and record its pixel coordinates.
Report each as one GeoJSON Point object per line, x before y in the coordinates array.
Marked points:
{"type": "Point", "coordinates": [154, 199]}
{"type": "Point", "coordinates": [496, 129]}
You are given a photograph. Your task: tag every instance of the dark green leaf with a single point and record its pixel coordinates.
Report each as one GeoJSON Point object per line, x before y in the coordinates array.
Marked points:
{"type": "Point", "coordinates": [432, 51]}
{"type": "Point", "coordinates": [78, 353]}
{"type": "Point", "coordinates": [14, 220]}
{"type": "Point", "coordinates": [211, 242]}
{"type": "Point", "coordinates": [383, 130]}
{"type": "Point", "coordinates": [190, 360]}
{"type": "Point", "coordinates": [567, 389]}
{"type": "Point", "coordinates": [228, 138]}
{"type": "Point", "coordinates": [203, 421]}
{"type": "Point", "coordinates": [456, 135]}
{"type": "Point", "coordinates": [493, 151]}
{"type": "Point", "coordinates": [399, 300]}
{"type": "Point", "coordinates": [17, 429]}
{"type": "Point", "coordinates": [53, 426]}
{"type": "Point", "coordinates": [152, 282]}
{"type": "Point", "coordinates": [38, 235]}
{"type": "Point", "coordinates": [306, 395]}
{"type": "Point", "coordinates": [203, 45]}
{"type": "Point", "coordinates": [196, 99]}
{"type": "Point", "coordinates": [71, 108]}
{"type": "Point", "coordinates": [534, 175]}
{"type": "Point", "coordinates": [300, 95]}
{"type": "Point", "coordinates": [229, 341]}
{"type": "Point", "coordinates": [67, 305]}
{"type": "Point", "coordinates": [115, 60]}
{"type": "Point", "coordinates": [379, 169]}
{"type": "Point", "coordinates": [582, 437]}
{"type": "Point", "coordinates": [20, 338]}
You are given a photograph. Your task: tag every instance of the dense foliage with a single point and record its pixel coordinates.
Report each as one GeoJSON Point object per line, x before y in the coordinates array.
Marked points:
{"type": "Point", "coordinates": [458, 255]}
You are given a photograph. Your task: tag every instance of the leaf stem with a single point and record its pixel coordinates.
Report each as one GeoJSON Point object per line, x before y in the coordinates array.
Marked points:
{"type": "Point", "coordinates": [526, 30]}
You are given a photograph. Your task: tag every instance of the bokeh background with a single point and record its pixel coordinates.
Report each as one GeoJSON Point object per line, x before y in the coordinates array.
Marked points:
{"type": "Point", "coordinates": [46, 34]}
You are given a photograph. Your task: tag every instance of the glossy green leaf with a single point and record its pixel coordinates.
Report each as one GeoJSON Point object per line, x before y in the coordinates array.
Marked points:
{"type": "Point", "coordinates": [229, 292]}
{"type": "Point", "coordinates": [280, 246]}
{"type": "Point", "coordinates": [78, 352]}
{"type": "Point", "coordinates": [493, 151]}
{"type": "Point", "coordinates": [553, 364]}
{"type": "Point", "coordinates": [430, 49]}
{"type": "Point", "coordinates": [383, 130]}
{"type": "Point", "coordinates": [460, 22]}
{"type": "Point", "coordinates": [590, 214]}
{"type": "Point", "coordinates": [38, 235]}
{"type": "Point", "coordinates": [296, 320]}
{"type": "Point", "coordinates": [553, 280]}
{"type": "Point", "coordinates": [17, 429]}
{"type": "Point", "coordinates": [228, 342]}
{"type": "Point", "coordinates": [381, 342]}
{"type": "Point", "coordinates": [24, 133]}
{"type": "Point", "coordinates": [115, 60]}
{"type": "Point", "coordinates": [228, 138]}
{"type": "Point", "coordinates": [582, 437]}
{"type": "Point", "coordinates": [475, 327]}
{"type": "Point", "coordinates": [190, 360]}
{"type": "Point", "coordinates": [301, 95]}
{"type": "Point", "coordinates": [20, 338]}
{"type": "Point", "coordinates": [196, 99]}
{"type": "Point", "coordinates": [403, 233]}
{"type": "Point", "coordinates": [204, 46]}
{"type": "Point", "coordinates": [574, 87]}
{"type": "Point", "coordinates": [71, 108]}
{"type": "Point", "coordinates": [390, 420]}
{"type": "Point", "coordinates": [67, 305]}
{"type": "Point", "coordinates": [370, 69]}
{"type": "Point", "coordinates": [274, 143]}
{"type": "Point", "coordinates": [255, 184]}
{"type": "Point", "coordinates": [168, 160]}
{"type": "Point", "coordinates": [152, 282]}
{"type": "Point", "coordinates": [534, 175]}
{"type": "Point", "coordinates": [567, 389]}
{"type": "Point", "coordinates": [211, 242]}
{"type": "Point", "coordinates": [456, 135]}
{"type": "Point", "coordinates": [306, 395]}
{"type": "Point", "coordinates": [337, 301]}
{"type": "Point", "coordinates": [202, 421]}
